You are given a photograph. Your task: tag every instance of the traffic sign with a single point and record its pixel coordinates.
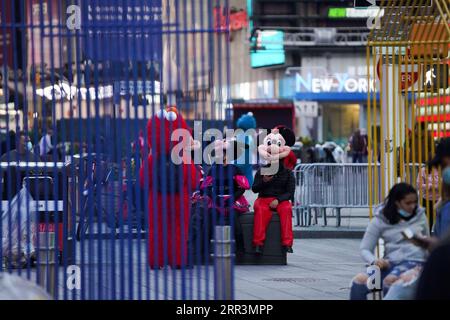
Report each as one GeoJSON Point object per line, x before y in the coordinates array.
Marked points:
{"type": "Point", "coordinates": [409, 73]}
{"type": "Point", "coordinates": [408, 79]}
{"type": "Point", "coordinates": [435, 77]}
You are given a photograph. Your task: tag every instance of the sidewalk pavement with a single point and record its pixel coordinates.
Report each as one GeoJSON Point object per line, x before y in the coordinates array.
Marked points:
{"type": "Point", "coordinates": [319, 269]}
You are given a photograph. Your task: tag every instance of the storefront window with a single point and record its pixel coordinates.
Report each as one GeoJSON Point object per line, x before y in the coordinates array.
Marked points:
{"type": "Point", "coordinates": [340, 121]}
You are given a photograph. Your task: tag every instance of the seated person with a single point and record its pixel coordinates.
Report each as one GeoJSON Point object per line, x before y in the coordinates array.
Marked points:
{"type": "Point", "coordinates": [399, 212]}
{"type": "Point", "coordinates": [217, 197]}
{"type": "Point", "coordinates": [442, 224]}
{"type": "Point", "coordinates": [433, 282]}
{"type": "Point", "coordinates": [23, 152]}
{"type": "Point", "coordinates": [12, 177]}
{"type": "Point", "coordinates": [275, 189]}
{"type": "Point", "coordinates": [442, 160]}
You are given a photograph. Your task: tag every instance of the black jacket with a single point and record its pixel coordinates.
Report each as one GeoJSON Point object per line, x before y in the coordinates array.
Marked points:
{"type": "Point", "coordinates": [282, 185]}
{"type": "Point", "coordinates": [221, 183]}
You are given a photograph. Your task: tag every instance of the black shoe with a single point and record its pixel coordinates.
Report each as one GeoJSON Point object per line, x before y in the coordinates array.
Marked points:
{"type": "Point", "coordinates": [156, 267]}
{"type": "Point", "coordinates": [258, 250]}
{"type": "Point", "coordinates": [288, 249]}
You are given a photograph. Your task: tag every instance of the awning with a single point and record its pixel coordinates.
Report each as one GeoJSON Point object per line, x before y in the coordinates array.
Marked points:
{"type": "Point", "coordinates": [359, 97]}
{"type": "Point", "coordinates": [348, 97]}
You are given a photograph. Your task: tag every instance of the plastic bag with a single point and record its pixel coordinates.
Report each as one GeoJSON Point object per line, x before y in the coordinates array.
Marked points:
{"type": "Point", "coordinates": [13, 287]}
{"type": "Point", "coordinates": [19, 226]}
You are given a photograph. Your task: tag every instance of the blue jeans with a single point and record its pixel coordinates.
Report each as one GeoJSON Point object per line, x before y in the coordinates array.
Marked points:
{"type": "Point", "coordinates": [360, 291]}
{"type": "Point", "coordinates": [357, 157]}
{"type": "Point", "coordinates": [402, 291]}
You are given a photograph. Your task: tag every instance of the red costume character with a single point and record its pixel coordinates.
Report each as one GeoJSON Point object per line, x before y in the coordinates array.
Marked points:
{"type": "Point", "coordinates": [171, 182]}
{"type": "Point", "coordinates": [290, 161]}
{"type": "Point", "coordinates": [275, 185]}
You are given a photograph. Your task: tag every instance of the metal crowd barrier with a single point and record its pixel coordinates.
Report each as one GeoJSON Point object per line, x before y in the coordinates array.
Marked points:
{"type": "Point", "coordinates": [40, 227]}
{"type": "Point", "coordinates": [321, 186]}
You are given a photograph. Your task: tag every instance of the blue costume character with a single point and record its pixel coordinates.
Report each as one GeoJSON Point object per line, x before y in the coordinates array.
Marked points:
{"type": "Point", "coordinates": [244, 162]}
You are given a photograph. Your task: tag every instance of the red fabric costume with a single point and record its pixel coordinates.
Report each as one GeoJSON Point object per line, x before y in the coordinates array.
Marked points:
{"type": "Point", "coordinates": [263, 215]}
{"type": "Point", "coordinates": [290, 161]}
{"type": "Point", "coordinates": [168, 212]}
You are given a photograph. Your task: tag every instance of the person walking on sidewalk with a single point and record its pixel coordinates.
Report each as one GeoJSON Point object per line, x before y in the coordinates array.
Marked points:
{"type": "Point", "coordinates": [358, 146]}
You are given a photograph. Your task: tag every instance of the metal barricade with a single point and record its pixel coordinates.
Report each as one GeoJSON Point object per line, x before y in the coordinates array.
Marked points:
{"type": "Point", "coordinates": [321, 186]}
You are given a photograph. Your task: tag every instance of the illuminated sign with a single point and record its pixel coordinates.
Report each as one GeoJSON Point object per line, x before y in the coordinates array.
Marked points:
{"type": "Point", "coordinates": [355, 12]}
{"type": "Point", "coordinates": [335, 83]}
{"type": "Point", "coordinates": [337, 13]}
{"type": "Point", "coordinates": [435, 77]}
{"type": "Point", "coordinates": [364, 13]}
{"type": "Point", "coordinates": [434, 110]}
{"type": "Point", "coordinates": [268, 49]}
{"type": "Point", "coordinates": [237, 20]}
{"type": "Point", "coordinates": [139, 87]}
{"type": "Point", "coordinates": [65, 91]}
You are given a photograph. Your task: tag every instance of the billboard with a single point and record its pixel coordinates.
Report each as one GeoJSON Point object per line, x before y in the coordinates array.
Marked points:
{"type": "Point", "coordinates": [122, 30]}
{"type": "Point", "coordinates": [268, 49]}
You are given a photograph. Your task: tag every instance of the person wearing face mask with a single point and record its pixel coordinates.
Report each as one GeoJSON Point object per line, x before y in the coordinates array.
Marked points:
{"type": "Point", "coordinates": [435, 279]}
{"type": "Point", "coordinates": [12, 178]}
{"type": "Point", "coordinates": [400, 211]}
{"type": "Point", "coordinates": [23, 151]}
{"type": "Point", "coordinates": [442, 225]}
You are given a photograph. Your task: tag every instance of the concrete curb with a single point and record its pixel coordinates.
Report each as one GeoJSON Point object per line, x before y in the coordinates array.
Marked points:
{"type": "Point", "coordinates": [328, 234]}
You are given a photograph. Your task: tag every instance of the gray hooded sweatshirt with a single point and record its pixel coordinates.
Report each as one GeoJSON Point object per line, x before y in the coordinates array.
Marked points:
{"type": "Point", "coordinates": [397, 248]}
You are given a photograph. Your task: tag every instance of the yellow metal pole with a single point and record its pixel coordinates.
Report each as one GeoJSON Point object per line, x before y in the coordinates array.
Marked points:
{"type": "Point", "coordinates": [429, 140]}
{"type": "Point", "coordinates": [369, 135]}
{"type": "Point", "coordinates": [443, 12]}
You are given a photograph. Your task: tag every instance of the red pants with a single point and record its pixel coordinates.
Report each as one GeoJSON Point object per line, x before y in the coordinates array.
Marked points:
{"type": "Point", "coordinates": [263, 215]}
